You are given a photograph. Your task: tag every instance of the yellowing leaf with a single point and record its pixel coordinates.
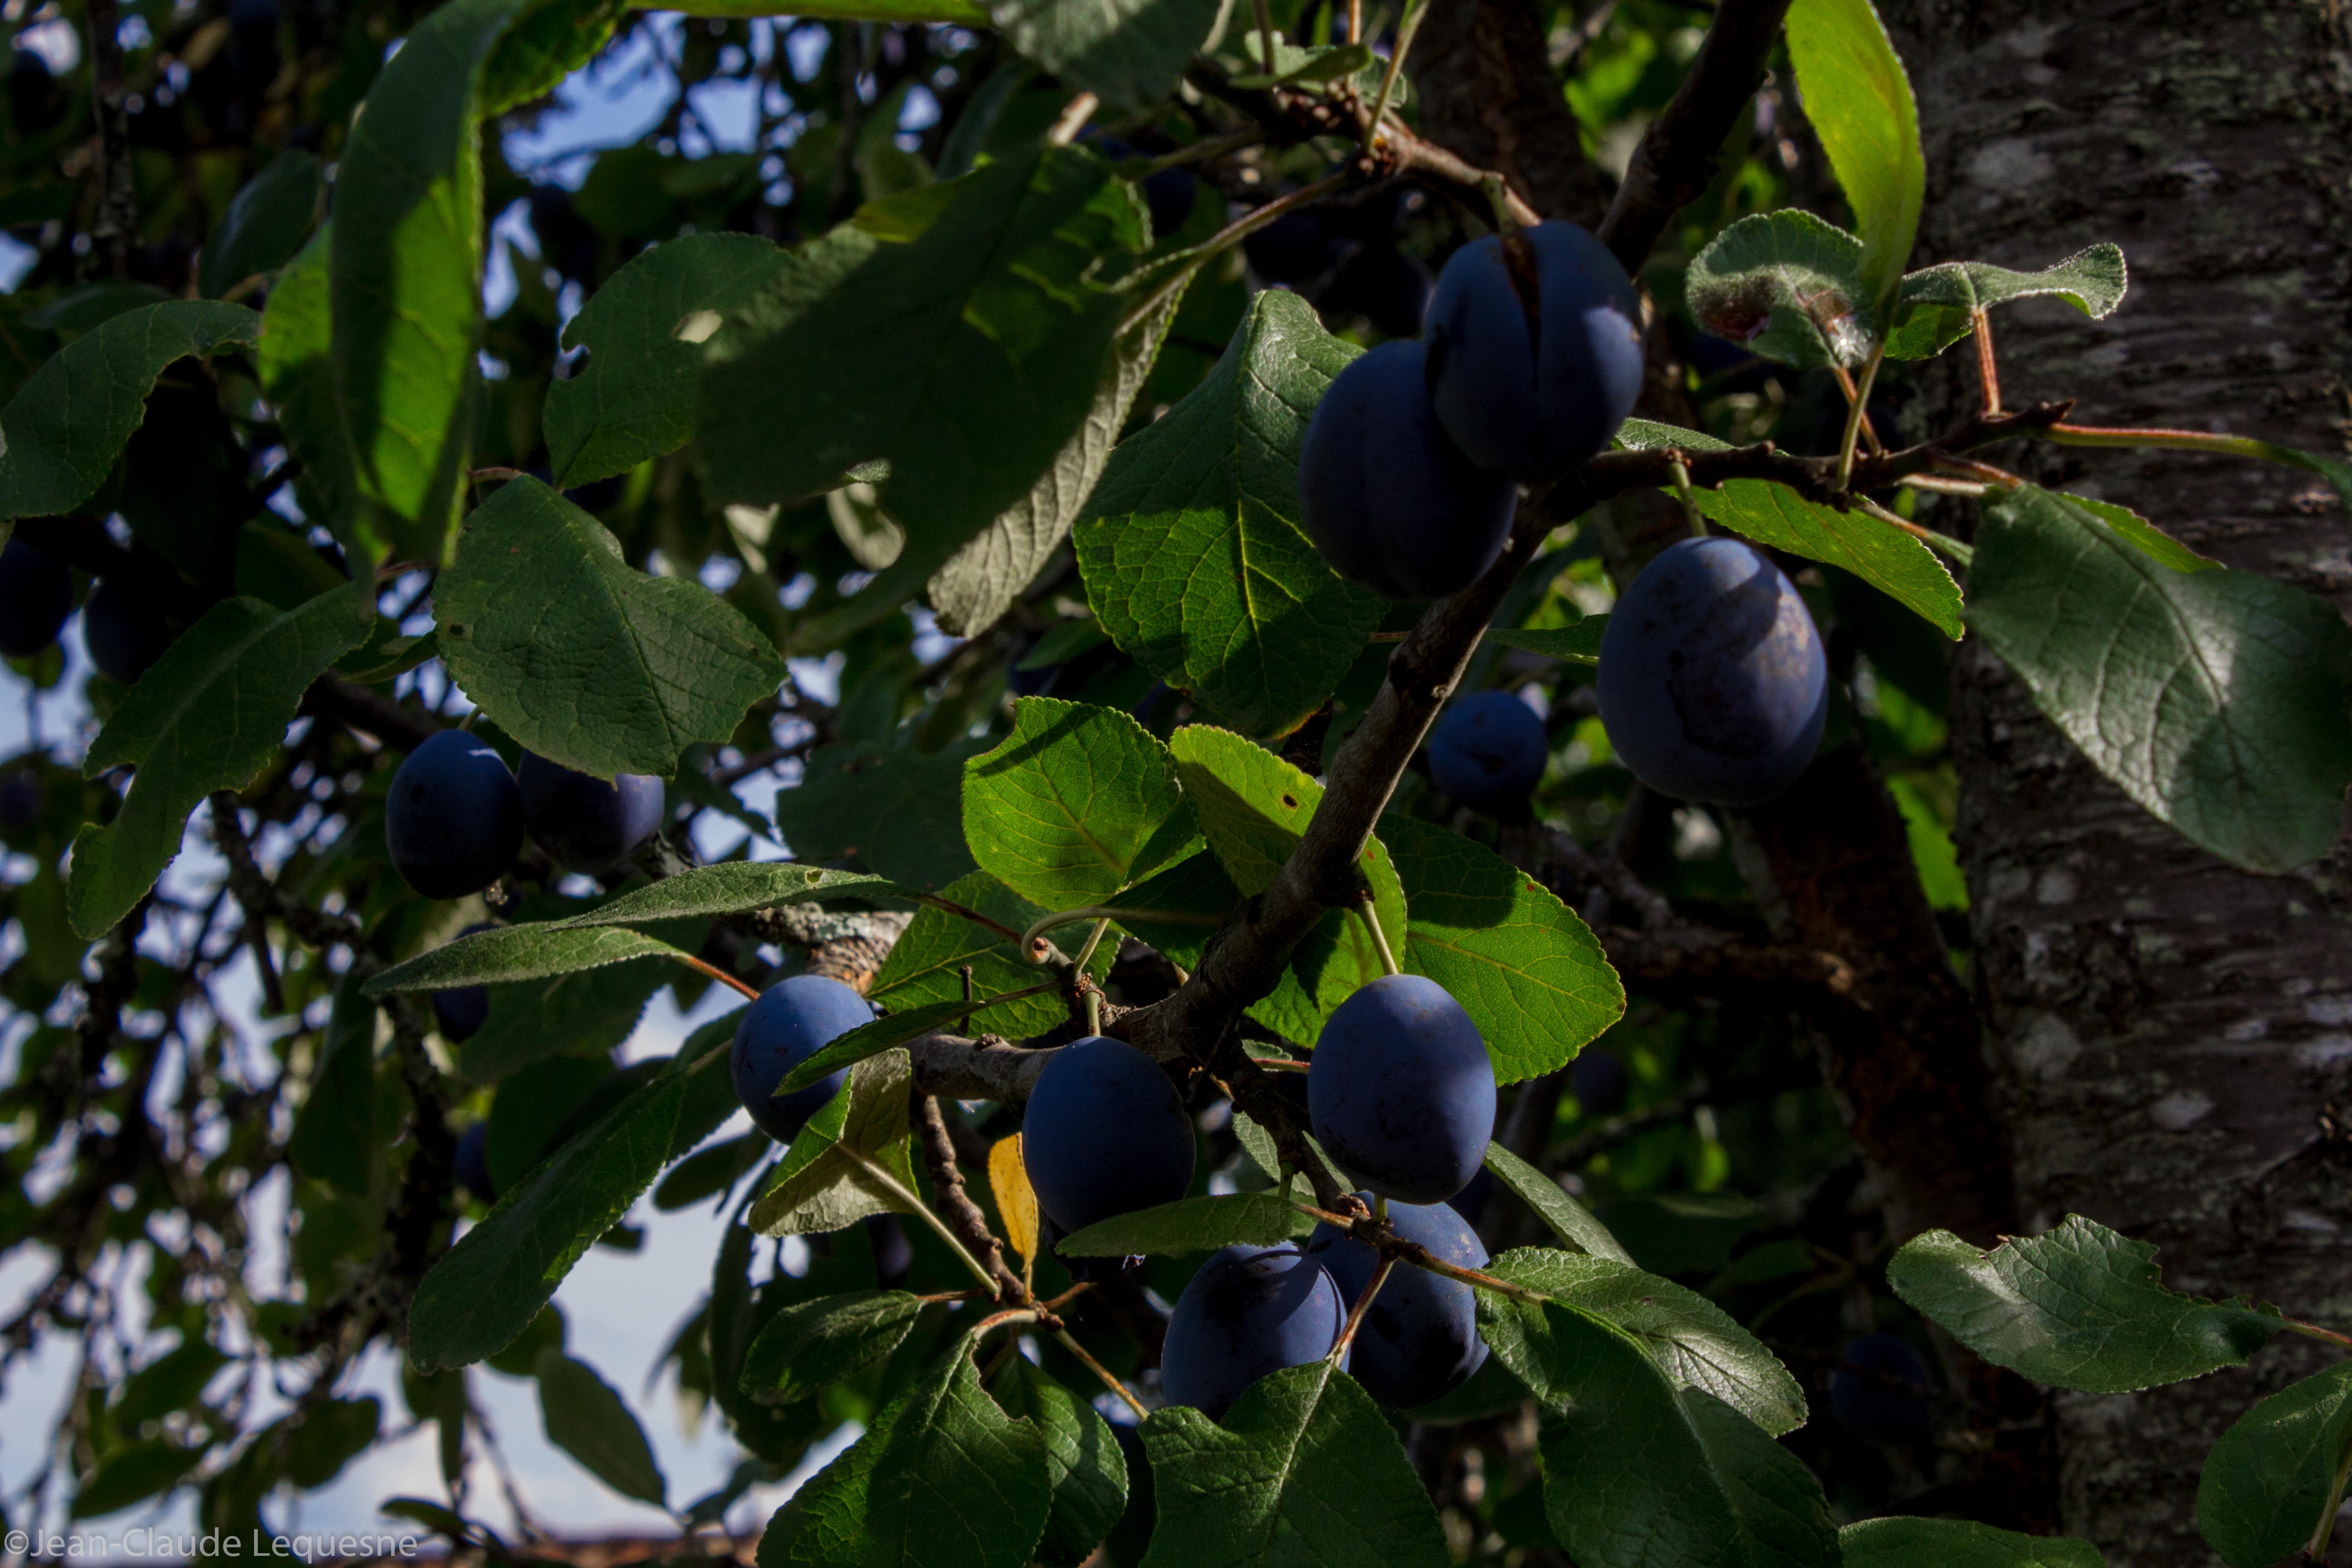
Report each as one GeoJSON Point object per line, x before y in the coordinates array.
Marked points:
{"type": "Point", "coordinates": [1008, 1178]}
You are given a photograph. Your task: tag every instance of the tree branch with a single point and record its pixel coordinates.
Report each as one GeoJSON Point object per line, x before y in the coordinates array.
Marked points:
{"type": "Point", "coordinates": [963, 1217]}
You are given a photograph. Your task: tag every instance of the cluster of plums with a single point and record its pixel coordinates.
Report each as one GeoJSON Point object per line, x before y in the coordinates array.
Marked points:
{"type": "Point", "coordinates": [455, 816]}
{"type": "Point", "coordinates": [123, 631]}
{"type": "Point", "coordinates": [1530, 360]}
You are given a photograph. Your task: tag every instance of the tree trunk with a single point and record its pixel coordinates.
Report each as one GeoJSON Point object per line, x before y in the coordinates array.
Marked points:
{"type": "Point", "coordinates": [2169, 1034]}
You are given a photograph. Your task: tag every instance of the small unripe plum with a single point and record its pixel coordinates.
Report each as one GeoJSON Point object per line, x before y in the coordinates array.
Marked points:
{"type": "Point", "coordinates": [585, 824]}
{"type": "Point", "coordinates": [1401, 1090]}
{"type": "Point", "coordinates": [1419, 1339]}
{"type": "Point", "coordinates": [1487, 750]}
{"type": "Point", "coordinates": [462, 1010]}
{"type": "Point", "coordinates": [124, 630]}
{"type": "Point", "coordinates": [1533, 385]}
{"type": "Point", "coordinates": [1387, 498]}
{"type": "Point", "coordinates": [474, 1161]}
{"type": "Point", "coordinates": [1104, 1133]}
{"type": "Point", "coordinates": [791, 1021]}
{"type": "Point", "coordinates": [1864, 1401]}
{"type": "Point", "coordinates": [1600, 1081]}
{"type": "Point", "coordinates": [35, 597]}
{"type": "Point", "coordinates": [1713, 683]}
{"type": "Point", "coordinates": [454, 819]}
{"type": "Point", "coordinates": [1249, 1312]}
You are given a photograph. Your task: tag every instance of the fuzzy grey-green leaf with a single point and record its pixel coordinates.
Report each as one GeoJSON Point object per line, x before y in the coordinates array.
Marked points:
{"type": "Point", "coordinates": [1787, 285]}
{"type": "Point", "coordinates": [1936, 305]}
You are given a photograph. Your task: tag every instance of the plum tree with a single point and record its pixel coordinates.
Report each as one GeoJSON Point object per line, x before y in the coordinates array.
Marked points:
{"type": "Point", "coordinates": [1402, 1091]}
{"type": "Point", "coordinates": [124, 630]}
{"type": "Point", "coordinates": [1487, 750]}
{"type": "Point", "coordinates": [1388, 499]}
{"type": "Point", "coordinates": [473, 1163]}
{"type": "Point", "coordinates": [586, 824]}
{"type": "Point", "coordinates": [1105, 1133]}
{"type": "Point", "coordinates": [462, 1010]}
{"type": "Point", "coordinates": [453, 820]}
{"type": "Point", "coordinates": [1865, 1395]}
{"type": "Point", "coordinates": [1247, 1311]}
{"type": "Point", "coordinates": [1535, 357]}
{"type": "Point", "coordinates": [791, 1021]}
{"type": "Point", "coordinates": [35, 597]}
{"type": "Point", "coordinates": [1419, 1339]}
{"type": "Point", "coordinates": [1713, 685]}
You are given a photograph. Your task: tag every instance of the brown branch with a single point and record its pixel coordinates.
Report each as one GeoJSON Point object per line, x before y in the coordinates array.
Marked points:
{"type": "Point", "coordinates": [962, 1215]}
{"type": "Point", "coordinates": [360, 707]}
{"type": "Point", "coordinates": [1678, 155]}
{"type": "Point", "coordinates": [116, 226]}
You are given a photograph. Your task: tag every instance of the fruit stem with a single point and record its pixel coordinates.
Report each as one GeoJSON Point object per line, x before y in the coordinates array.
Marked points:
{"type": "Point", "coordinates": [1100, 1371]}
{"type": "Point", "coordinates": [1277, 1064]}
{"type": "Point", "coordinates": [1204, 150]}
{"type": "Point", "coordinates": [1405, 30]}
{"type": "Point", "coordinates": [1111, 912]}
{"type": "Point", "coordinates": [1987, 372]}
{"type": "Point", "coordinates": [717, 973]}
{"type": "Point", "coordinates": [2317, 1551]}
{"type": "Point", "coordinates": [998, 1320]}
{"type": "Point", "coordinates": [1356, 1314]}
{"type": "Point", "coordinates": [1266, 34]}
{"type": "Point", "coordinates": [1965, 555]}
{"type": "Point", "coordinates": [922, 1211]}
{"type": "Point", "coordinates": [1680, 470]}
{"type": "Point", "coordinates": [1074, 120]}
{"type": "Point", "coordinates": [2177, 440]}
{"type": "Point", "coordinates": [1094, 940]}
{"type": "Point", "coordinates": [2314, 1331]}
{"type": "Point", "coordinates": [1380, 938]}
{"type": "Point", "coordinates": [1854, 415]}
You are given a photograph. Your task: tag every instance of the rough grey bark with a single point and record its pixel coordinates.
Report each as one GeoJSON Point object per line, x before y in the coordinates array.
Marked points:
{"type": "Point", "coordinates": [2171, 1036]}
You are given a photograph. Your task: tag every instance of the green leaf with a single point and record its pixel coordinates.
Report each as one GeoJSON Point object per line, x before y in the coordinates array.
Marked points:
{"type": "Point", "coordinates": [1191, 1225]}
{"type": "Point", "coordinates": [513, 953]}
{"type": "Point", "coordinates": [210, 714]}
{"type": "Point", "coordinates": [549, 41]}
{"type": "Point", "coordinates": [61, 433]}
{"type": "Point", "coordinates": [811, 1345]}
{"type": "Point", "coordinates": [1194, 895]}
{"type": "Point", "coordinates": [1936, 306]}
{"type": "Point", "coordinates": [1881, 554]}
{"type": "Point", "coordinates": [965, 329]}
{"type": "Point", "coordinates": [405, 277]}
{"type": "Point", "coordinates": [1859, 103]}
{"type": "Point", "coordinates": [586, 1013]}
{"type": "Point", "coordinates": [1304, 1472]}
{"type": "Point", "coordinates": [1076, 804]}
{"type": "Point", "coordinates": [960, 13]}
{"type": "Point", "coordinates": [1190, 548]}
{"type": "Point", "coordinates": [1580, 642]}
{"type": "Point", "coordinates": [132, 1474]}
{"type": "Point", "coordinates": [1127, 52]}
{"type": "Point", "coordinates": [942, 1478]}
{"type": "Point", "coordinates": [173, 1381]}
{"type": "Point", "coordinates": [645, 331]}
{"type": "Point", "coordinates": [335, 1138]}
{"type": "Point", "coordinates": [1526, 968]}
{"type": "Point", "coordinates": [978, 583]}
{"type": "Point", "coordinates": [590, 1421]}
{"type": "Point", "coordinates": [265, 225]}
{"type": "Point", "coordinates": [827, 1178]}
{"type": "Point", "coordinates": [1254, 807]}
{"type": "Point", "coordinates": [2277, 1471]}
{"type": "Point", "coordinates": [925, 967]}
{"type": "Point", "coordinates": [1638, 1471]}
{"type": "Point", "coordinates": [1081, 1459]}
{"type": "Point", "coordinates": [1569, 1220]}
{"type": "Point", "coordinates": [298, 375]}
{"type": "Point", "coordinates": [2079, 1307]}
{"type": "Point", "coordinates": [1693, 1342]}
{"type": "Point", "coordinates": [883, 1034]}
{"type": "Point", "coordinates": [899, 811]}
{"type": "Point", "coordinates": [581, 658]}
{"type": "Point", "coordinates": [1320, 63]}
{"type": "Point", "coordinates": [487, 1289]}
{"type": "Point", "coordinates": [1958, 1543]}
{"type": "Point", "coordinates": [736, 887]}
{"type": "Point", "coordinates": [1787, 285]}
{"type": "Point", "coordinates": [2215, 699]}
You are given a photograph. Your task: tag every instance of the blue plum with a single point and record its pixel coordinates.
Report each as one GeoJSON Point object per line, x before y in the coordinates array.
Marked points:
{"type": "Point", "coordinates": [454, 819]}
{"type": "Point", "coordinates": [1864, 1396]}
{"type": "Point", "coordinates": [125, 631]}
{"type": "Point", "coordinates": [585, 824]}
{"type": "Point", "coordinates": [1600, 1081]}
{"type": "Point", "coordinates": [1402, 1091]}
{"type": "Point", "coordinates": [1533, 387]}
{"type": "Point", "coordinates": [462, 1010]}
{"type": "Point", "coordinates": [474, 1161]}
{"type": "Point", "coordinates": [791, 1021]}
{"type": "Point", "coordinates": [1104, 1133]}
{"type": "Point", "coordinates": [1387, 498]}
{"type": "Point", "coordinates": [894, 1255]}
{"type": "Point", "coordinates": [1248, 1311]}
{"type": "Point", "coordinates": [1293, 248]}
{"type": "Point", "coordinates": [1487, 750]}
{"type": "Point", "coordinates": [35, 597]}
{"type": "Point", "coordinates": [1419, 1340]}
{"type": "Point", "coordinates": [1713, 684]}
